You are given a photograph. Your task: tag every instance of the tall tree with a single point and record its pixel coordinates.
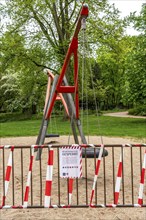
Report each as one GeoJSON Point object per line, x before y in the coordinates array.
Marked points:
{"type": "Point", "coordinates": [41, 31]}
{"type": "Point", "coordinates": [135, 65]}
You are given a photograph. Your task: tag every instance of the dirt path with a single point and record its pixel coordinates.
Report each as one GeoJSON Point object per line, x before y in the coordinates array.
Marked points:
{"type": "Point", "coordinates": [123, 114]}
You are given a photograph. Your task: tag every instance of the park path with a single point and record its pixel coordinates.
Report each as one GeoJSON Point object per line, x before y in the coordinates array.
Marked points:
{"type": "Point", "coordinates": [123, 114]}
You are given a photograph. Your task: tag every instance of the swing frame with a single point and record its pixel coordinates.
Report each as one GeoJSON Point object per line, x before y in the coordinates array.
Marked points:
{"type": "Point", "coordinates": [72, 50]}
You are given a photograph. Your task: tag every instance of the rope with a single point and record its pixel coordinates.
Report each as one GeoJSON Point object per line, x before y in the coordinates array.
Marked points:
{"type": "Point", "coordinates": [95, 100]}
{"type": "Point", "coordinates": [85, 54]}
{"type": "Point", "coordinates": [83, 71]}
{"type": "Point", "coordinates": [84, 78]}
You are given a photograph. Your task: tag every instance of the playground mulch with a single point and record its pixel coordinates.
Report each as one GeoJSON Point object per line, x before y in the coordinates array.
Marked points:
{"type": "Point", "coordinates": [76, 213]}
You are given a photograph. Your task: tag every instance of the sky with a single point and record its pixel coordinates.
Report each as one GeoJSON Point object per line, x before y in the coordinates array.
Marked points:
{"type": "Point", "coordinates": [127, 6]}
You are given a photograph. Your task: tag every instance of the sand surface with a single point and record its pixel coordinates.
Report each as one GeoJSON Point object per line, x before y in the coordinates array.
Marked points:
{"type": "Point", "coordinates": [75, 213]}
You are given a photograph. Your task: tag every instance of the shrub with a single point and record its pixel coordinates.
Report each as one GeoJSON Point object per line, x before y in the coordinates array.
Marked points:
{"type": "Point", "coordinates": [139, 110]}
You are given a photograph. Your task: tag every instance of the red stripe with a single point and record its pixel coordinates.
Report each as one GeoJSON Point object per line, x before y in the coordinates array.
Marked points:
{"type": "Point", "coordinates": [31, 161]}
{"type": "Point", "coordinates": [12, 148]}
{"type": "Point", "coordinates": [140, 201]}
{"type": "Point", "coordinates": [17, 207]}
{"type": "Point", "coordinates": [97, 167]}
{"type": "Point", "coordinates": [119, 174]}
{"type": "Point", "coordinates": [26, 194]}
{"type": "Point", "coordinates": [48, 188]}
{"type": "Point", "coordinates": [84, 145]}
{"type": "Point", "coordinates": [50, 160]}
{"type": "Point", "coordinates": [70, 185]}
{"type": "Point", "coordinates": [137, 145]}
{"type": "Point", "coordinates": [92, 196]}
{"type": "Point", "coordinates": [142, 175]}
{"type": "Point", "coordinates": [116, 197]}
{"type": "Point", "coordinates": [110, 205]}
{"type": "Point", "coordinates": [3, 202]}
{"type": "Point", "coordinates": [8, 172]}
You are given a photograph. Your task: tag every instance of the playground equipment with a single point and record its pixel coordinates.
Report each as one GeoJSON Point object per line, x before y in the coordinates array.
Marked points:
{"type": "Point", "coordinates": [121, 178]}
{"type": "Point", "coordinates": [62, 91]}
{"type": "Point", "coordinates": [47, 189]}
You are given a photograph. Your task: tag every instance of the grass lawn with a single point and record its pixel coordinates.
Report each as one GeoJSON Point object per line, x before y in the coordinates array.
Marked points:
{"type": "Point", "coordinates": [101, 125]}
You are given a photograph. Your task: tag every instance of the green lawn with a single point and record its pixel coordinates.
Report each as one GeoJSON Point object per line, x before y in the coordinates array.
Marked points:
{"type": "Point", "coordinates": [101, 125]}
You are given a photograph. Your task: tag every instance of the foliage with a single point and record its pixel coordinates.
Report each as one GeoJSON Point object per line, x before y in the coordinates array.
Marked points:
{"type": "Point", "coordinates": [135, 72]}
{"type": "Point", "coordinates": [139, 110]}
{"type": "Point", "coordinates": [36, 35]}
{"type": "Point", "coordinates": [109, 126]}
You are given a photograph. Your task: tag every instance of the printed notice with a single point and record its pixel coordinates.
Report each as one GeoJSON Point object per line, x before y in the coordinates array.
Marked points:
{"type": "Point", "coordinates": [70, 162]}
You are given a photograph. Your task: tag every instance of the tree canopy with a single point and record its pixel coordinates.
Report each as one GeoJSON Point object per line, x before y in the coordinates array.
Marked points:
{"type": "Point", "coordinates": [36, 34]}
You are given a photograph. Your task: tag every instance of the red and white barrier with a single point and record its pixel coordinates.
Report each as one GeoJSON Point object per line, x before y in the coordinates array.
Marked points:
{"type": "Point", "coordinates": [70, 182]}
{"type": "Point", "coordinates": [29, 177]}
{"type": "Point", "coordinates": [70, 189]}
{"type": "Point", "coordinates": [49, 175]}
{"type": "Point", "coordinates": [96, 173]}
{"type": "Point", "coordinates": [141, 187]}
{"type": "Point", "coordinates": [118, 180]}
{"type": "Point", "coordinates": [8, 173]}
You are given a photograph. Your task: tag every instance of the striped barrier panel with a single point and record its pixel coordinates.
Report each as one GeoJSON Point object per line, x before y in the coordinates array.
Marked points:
{"type": "Point", "coordinates": [81, 192]}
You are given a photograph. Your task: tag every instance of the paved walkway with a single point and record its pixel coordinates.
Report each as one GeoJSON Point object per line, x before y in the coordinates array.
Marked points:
{"type": "Point", "coordinates": [123, 114]}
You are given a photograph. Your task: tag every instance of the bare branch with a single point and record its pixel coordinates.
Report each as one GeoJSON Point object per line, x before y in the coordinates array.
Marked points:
{"type": "Point", "coordinates": [43, 28]}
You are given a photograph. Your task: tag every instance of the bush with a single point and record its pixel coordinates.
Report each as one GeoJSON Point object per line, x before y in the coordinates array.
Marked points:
{"type": "Point", "coordinates": [140, 110]}
{"type": "Point", "coordinates": [18, 116]}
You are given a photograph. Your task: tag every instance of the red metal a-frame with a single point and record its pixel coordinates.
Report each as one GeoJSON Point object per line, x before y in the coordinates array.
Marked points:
{"type": "Point", "coordinates": [72, 50]}
{"type": "Point", "coordinates": [60, 86]}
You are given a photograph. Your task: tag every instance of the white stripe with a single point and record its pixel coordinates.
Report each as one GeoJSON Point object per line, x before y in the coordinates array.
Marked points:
{"type": "Point", "coordinates": [55, 206]}
{"type": "Point", "coordinates": [118, 182]}
{"type": "Point", "coordinates": [70, 195]}
{"type": "Point", "coordinates": [129, 145]}
{"type": "Point", "coordinates": [113, 205]}
{"type": "Point", "coordinates": [7, 207]}
{"type": "Point", "coordinates": [94, 183]}
{"type": "Point", "coordinates": [28, 178]}
{"type": "Point", "coordinates": [6, 187]}
{"type": "Point", "coordinates": [140, 196]}
{"type": "Point", "coordinates": [7, 146]}
{"type": "Point", "coordinates": [25, 204]}
{"type": "Point", "coordinates": [47, 201]}
{"type": "Point", "coordinates": [100, 152]}
{"type": "Point", "coordinates": [50, 145]}
{"type": "Point", "coordinates": [10, 159]}
{"type": "Point", "coordinates": [120, 158]}
{"type": "Point", "coordinates": [144, 162]}
{"type": "Point", "coordinates": [137, 205]}
{"type": "Point", "coordinates": [74, 145]}
{"type": "Point", "coordinates": [32, 150]}
{"type": "Point", "coordinates": [92, 145]}
{"type": "Point", "coordinates": [49, 173]}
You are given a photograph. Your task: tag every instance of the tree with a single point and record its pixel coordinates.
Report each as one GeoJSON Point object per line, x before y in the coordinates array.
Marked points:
{"type": "Point", "coordinates": [135, 73]}
{"type": "Point", "coordinates": [39, 33]}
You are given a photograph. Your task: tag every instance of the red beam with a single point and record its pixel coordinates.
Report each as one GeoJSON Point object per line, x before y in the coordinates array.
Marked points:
{"type": "Point", "coordinates": [66, 89]}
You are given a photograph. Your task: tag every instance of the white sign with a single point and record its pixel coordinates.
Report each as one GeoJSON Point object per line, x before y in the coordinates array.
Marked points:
{"type": "Point", "coordinates": [70, 162]}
